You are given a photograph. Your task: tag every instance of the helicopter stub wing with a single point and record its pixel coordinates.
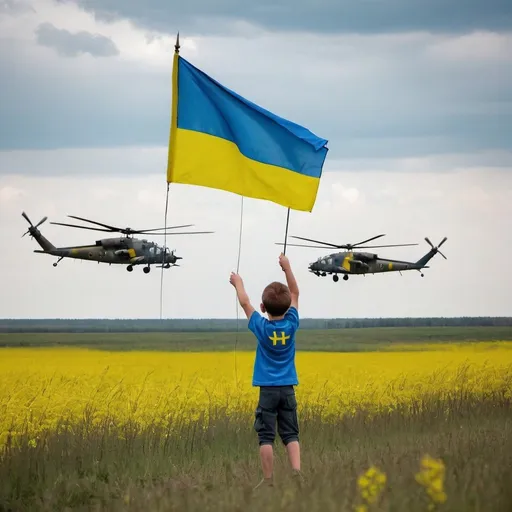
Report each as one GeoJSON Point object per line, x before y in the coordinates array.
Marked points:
{"type": "Point", "coordinates": [130, 254]}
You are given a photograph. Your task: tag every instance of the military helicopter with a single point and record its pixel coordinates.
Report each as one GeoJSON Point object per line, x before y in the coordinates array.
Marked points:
{"type": "Point", "coordinates": [122, 250]}
{"type": "Point", "coordinates": [354, 262]}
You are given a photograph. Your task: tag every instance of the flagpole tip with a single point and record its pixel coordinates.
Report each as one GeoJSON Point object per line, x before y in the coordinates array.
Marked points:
{"type": "Point", "coordinates": [177, 45]}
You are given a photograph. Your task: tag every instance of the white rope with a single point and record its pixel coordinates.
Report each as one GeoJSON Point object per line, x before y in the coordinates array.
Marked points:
{"type": "Point", "coordinates": [236, 297]}
{"type": "Point", "coordinates": [164, 252]}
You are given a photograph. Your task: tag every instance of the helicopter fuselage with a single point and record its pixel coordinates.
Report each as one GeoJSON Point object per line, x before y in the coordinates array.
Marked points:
{"type": "Point", "coordinates": [125, 250]}
{"type": "Point", "coordinates": [354, 262]}
{"type": "Point", "coordinates": [358, 263]}
{"type": "Point", "coordinates": [122, 251]}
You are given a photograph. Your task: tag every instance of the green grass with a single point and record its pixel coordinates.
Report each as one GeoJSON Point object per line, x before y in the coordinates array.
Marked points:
{"type": "Point", "coordinates": [214, 466]}
{"type": "Point", "coordinates": [337, 340]}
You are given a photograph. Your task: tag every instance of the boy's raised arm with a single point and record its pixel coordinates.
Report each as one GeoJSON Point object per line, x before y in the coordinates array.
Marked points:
{"type": "Point", "coordinates": [243, 298]}
{"type": "Point", "coordinates": [290, 280]}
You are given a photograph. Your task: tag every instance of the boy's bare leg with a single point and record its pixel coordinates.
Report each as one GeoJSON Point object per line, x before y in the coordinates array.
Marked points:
{"type": "Point", "coordinates": [267, 460]}
{"type": "Point", "coordinates": [293, 449]}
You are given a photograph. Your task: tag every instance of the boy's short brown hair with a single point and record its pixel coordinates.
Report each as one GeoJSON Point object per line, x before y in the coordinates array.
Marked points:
{"type": "Point", "coordinates": [276, 298]}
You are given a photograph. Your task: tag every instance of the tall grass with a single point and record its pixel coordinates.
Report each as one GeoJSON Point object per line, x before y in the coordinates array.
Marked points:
{"type": "Point", "coordinates": [212, 463]}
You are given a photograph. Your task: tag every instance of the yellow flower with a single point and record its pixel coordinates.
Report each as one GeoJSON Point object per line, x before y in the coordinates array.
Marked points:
{"type": "Point", "coordinates": [363, 482]}
{"type": "Point", "coordinates": [431, 477]}
{"type": "Point", "coordinates": [40, 388]}
{"type": "Point", "coordinates": [371, 484]}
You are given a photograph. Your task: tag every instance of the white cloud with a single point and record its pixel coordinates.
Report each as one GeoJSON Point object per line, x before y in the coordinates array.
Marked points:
{"type": "Point", "coordinates": [472, 207]}
{"type": "Point", "coordinates": [475, 47]}
{"type": "Point", "coordinates": [8, 194]}
{"type": "Point", "coordinates": [134, 44]}
{"type": "Point", "coordinates": [351, 195]}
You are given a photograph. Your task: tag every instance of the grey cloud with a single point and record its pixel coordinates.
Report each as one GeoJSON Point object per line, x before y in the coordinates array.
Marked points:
{"type": "Point", "coordinates": [372, 97]}
{"type": "Point", "coordinates": [332, 16]}
{"type": "Point", "coordinates": [70, 45]}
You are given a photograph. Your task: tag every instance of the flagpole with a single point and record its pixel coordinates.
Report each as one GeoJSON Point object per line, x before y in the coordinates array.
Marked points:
{"type": "Point", "coordinates": [286, 231]}
{"type": "Point", "coordinates": [174, 111]}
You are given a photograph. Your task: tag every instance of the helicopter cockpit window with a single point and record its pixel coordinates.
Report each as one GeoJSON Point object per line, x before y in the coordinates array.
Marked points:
{"type": "Point", "coordinates": [329, 261]}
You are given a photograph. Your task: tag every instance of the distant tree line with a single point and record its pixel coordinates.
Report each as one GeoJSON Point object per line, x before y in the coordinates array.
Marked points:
{"type": "Point", "coordinates": [222, 325]}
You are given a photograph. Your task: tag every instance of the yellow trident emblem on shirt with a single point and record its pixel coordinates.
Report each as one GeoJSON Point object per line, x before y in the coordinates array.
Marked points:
{"type": "Point", "coordinates": [275, 338]}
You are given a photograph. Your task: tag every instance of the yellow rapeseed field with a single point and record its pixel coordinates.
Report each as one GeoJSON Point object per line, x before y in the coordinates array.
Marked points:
{"type": "Point", "coordinates": [41, 387]}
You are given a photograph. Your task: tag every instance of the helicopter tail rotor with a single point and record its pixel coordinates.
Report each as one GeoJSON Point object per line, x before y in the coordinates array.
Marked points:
{"type": "Point", "coordinates": [436, 249]}
{"type": "Point", "coordinates": [32, 227]}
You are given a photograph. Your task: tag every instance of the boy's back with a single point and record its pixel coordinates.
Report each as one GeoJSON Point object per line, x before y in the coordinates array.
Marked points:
{"type": "Point", "coordinates": [275, 354]}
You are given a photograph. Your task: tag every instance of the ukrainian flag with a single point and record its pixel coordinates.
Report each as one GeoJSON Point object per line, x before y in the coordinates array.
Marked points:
{"type": "Point", "coordinates": [220, 140]}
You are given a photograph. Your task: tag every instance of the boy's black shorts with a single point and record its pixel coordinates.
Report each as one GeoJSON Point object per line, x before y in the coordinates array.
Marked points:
{"type": "Point", "coordinates": [277, 403]}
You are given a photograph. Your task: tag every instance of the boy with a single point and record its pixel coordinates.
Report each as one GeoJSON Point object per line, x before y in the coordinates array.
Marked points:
{"type": "Point", "coordinates": [274, 366]}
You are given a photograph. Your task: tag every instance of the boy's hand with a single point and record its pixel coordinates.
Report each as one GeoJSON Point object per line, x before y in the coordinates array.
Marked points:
{"type": "Point", "coordinates": [236, 280]}
{"type": "Point", "coordinates": [290, 279]}
{"type": "Point", "coordinates": [284, 262]}
{"type": "Point", "coordinates": [243, 299]}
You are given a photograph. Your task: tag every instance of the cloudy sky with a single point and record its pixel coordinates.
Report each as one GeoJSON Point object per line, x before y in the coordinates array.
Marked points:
{"type": "Point", "coordinates": [415, 99]}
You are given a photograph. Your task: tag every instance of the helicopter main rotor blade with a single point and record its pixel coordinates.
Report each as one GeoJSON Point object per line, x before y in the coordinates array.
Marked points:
{"type": "Point", "coordinates": [159, 229]}
{"type": "Point", "coordinates": [316, 242]}
{"type": "Point", "coordinates": [81, 227]}
{"type": "Point", "coordinates": [364, 241]}
{"type": "Point", "coordinates": [183, 233]}
{"type": "Point", "coordinates": [127, 230]}
{"type": "Point", "coordinates": [341, 246]}
{"type": "Point", "coordinates": [378, 246]}
{"type": "Point", "coordinates": [303, 245]}
{"type": "Point", "coordinates": [359, 247]}
{"type": "Point", "coordinates": [112, 228]}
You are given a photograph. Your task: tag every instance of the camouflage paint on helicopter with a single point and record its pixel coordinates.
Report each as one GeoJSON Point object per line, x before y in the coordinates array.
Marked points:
{"type": "Point", "coordinates": [355, 262]}
{"type": "Point", "coordinates": [125, 250]}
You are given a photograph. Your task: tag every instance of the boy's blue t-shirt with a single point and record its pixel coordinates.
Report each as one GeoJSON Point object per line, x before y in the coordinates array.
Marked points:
{"type": "Point", "coordinates": [275, 354]}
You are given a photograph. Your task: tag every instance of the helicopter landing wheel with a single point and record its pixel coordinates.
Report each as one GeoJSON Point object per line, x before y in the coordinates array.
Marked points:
{"type": "Point", "coordinates": [345, 277]}
{"type": "Point", "coordinates": [55, 264]}
{"type": "Point", "coordinates": [422, 275]}
{"type": "Point", "coordinates": [335, 278]}
{"type": "Point", "coordinates": [146, 270]}
{"type": "Point", "coordinates": [129, 268]}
